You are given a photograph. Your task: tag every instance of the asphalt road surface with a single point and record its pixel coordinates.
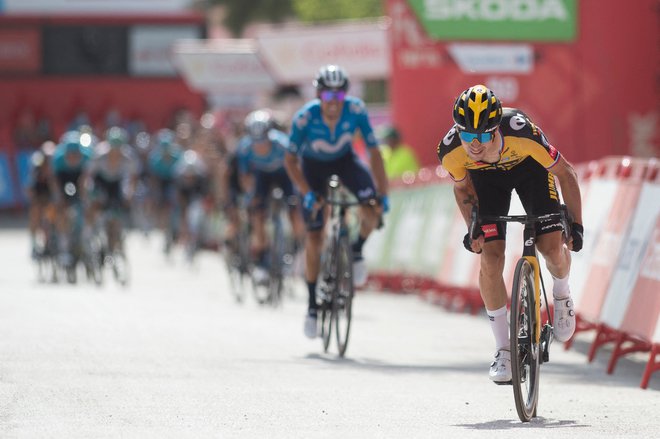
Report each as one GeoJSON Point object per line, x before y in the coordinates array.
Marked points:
{"type": "Point", "coordinates": [173, 356]}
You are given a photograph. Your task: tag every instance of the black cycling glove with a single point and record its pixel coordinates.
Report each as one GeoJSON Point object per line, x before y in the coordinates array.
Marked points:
{"type": "Point", "coordinates": [467, 242]}
{"type": "Point", "coordinates": [577, 233]}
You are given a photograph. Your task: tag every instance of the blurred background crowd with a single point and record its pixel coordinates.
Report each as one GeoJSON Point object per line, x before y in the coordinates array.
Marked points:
{"type": "Point", "coordinates": [146, 65]}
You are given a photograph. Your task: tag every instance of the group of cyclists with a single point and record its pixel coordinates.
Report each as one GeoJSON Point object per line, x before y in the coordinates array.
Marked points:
{"type": "Point", "coordinates": [81, 192]}
{"type": "Point", "coordinates": [489, 151]}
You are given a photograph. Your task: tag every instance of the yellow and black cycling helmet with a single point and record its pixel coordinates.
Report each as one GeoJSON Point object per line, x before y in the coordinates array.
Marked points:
{"type": "Point", "coordinates": [477, 110]}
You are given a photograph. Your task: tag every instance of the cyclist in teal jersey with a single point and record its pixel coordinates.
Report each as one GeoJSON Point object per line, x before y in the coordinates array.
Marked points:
{"type": "Point", "coordinates": [261, 155]}
{"type": "Point", "coordinates": [321, 144]}
{"type": "Point", "coordinates": [70, 159]}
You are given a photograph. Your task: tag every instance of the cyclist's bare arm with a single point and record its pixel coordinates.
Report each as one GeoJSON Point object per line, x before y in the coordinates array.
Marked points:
{"type": "Point", "coordinates": [294, 169]}
{"type": "Point", "coordinates": [378, 169]}
{"type": "Point", "coordinates": [570, 188]}
{"type": "Point", "coordinates": [246, 180]}
{"type": "Point", "coordinates": [466, 198]}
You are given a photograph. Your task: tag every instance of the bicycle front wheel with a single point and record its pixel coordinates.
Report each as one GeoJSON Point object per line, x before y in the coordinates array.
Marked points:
{"type": "Point", "coordinates": [343, 298]}
{"type": "Point", "coordinates": [525, 346]}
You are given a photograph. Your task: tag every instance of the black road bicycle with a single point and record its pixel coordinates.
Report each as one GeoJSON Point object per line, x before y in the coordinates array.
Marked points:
{"type": "Point", "coordinates": [336, 288]}
{"type": "Point", "coordinates": [280, 251]}
{"type": "Point", "coordinates": [237, 254]}
{"type": "Point", "coordinates": [529, 337]}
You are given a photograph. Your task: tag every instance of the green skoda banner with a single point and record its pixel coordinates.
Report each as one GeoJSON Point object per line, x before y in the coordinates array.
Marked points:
{"type": "Point", "coordinates": [527, 20]}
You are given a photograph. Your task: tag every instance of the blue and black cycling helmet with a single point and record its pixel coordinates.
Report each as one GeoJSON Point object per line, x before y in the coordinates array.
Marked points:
{"type": "Point", "coordinates": [116, 136]}
{"type": "Point", "coordinates": [331, 76]}
{"type": "Point", "coordinates": [71, 141]}
{"type": "Point", "coordinates": [477, 110]}
{"type": "Point", "coordinates": [258, 123]}
{"type": "Point", "coordinates": [165, 138]}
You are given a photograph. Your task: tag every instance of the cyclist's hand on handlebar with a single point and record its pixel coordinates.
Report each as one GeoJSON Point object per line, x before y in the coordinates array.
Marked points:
{"type": "Point", "coordinates": [309, 200]}
{"type": "Point", "coordinates": [577, 234]}
{"type": "Point", "coordinates": [385, 203]}
{"type": "Point", "coordinates": [473, 245]}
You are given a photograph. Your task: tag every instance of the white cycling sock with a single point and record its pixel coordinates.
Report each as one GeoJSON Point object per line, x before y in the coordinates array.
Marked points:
{"type": "Point", "coordinates": [560, 288]}
{"type": "Point", "coordinates": [500, 327]}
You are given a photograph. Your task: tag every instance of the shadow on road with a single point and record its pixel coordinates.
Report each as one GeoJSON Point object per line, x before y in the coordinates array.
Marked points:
{"type": "Point", "coordinates": [628, 372]}
{"type": "Point", "coordinates": [382, 366]}
{"type": "Point", "coordinates": [535, 423]}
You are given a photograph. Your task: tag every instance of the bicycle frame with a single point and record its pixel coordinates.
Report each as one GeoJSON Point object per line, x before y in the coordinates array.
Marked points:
{"type": "Point", "coordinates": [336, 303]}
{"type": "Point", "coordinates": [529, 253]}
{"type": "Point", "coordinates": [528, 351]}
{"type": "Point", "coordinates": [529, 247]}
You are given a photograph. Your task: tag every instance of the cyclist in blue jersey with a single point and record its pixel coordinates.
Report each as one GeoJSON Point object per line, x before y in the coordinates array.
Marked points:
{"type": "Point", "coordinates": [111, 178]}
{"type": "Point", "coordinates": [321, 144]}
{"type": "Point", "coordinates": [69, 162]}
{"type": "Point", "coordinates": [161, 164]}
{"type": "Point", "coordinates": [261, 155]}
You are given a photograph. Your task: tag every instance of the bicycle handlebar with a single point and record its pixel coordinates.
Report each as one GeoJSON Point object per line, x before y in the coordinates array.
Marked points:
{"type": "Point", "coordinates": [334, 185]}
{"type": "Point", "coordinates": [475, 219]}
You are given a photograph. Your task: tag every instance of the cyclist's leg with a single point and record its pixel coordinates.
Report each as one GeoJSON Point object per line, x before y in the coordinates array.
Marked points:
{"type": "Point", "coordinates": [316, 174]}
{"type": "Point", "coordinates": [36, 219]}
{"type": "Point", "coordinates": [263, 185]}
{"type": "Point", "coordinates": [357, 178]}
{"type": "Point", "coordinates": [539, 196]}
{"type": "Point", "coordinates": [493, 190]}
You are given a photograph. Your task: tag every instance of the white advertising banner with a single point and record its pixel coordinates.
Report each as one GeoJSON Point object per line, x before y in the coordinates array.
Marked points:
{"type": "Point", "coordinates": [294, 56]}
{"type": "Point", "coordinates": [230, 66]}
{"type": "Point", "coordinates": [493, 58]}
{"type": "Point", "coordinates": [93, 6]}
{"type": "Point", "coordinates": [150, 48]}
{"type": "Point", "coordinates": [630, 261]}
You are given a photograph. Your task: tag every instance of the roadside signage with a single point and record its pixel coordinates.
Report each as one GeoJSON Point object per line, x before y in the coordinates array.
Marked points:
{"type": "Point", "coordinates": [528, 20]}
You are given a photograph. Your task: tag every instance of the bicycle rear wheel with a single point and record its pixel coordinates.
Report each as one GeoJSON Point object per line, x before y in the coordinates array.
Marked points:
{"type": "Point", "coordinates": [343, 298]}
{"type": "Point", "coordinates": [325, 316]}
{"type": "Point", "coordinates": [276, 273]}
{"type": "Point", "coordinates": [525, 347]}
{"type": "Point", "coordinates": [327, 292]}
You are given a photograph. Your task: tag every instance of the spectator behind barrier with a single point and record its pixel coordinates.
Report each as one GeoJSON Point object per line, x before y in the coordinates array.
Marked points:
{"type": "Point", "coordinates": [399, 157]}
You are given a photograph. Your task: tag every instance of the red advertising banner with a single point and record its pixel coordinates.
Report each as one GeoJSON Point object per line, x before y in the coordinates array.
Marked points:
{"type": "Point", "coordinates": [20, 51]}
{"type": "Point", "coordinates": [593, 97]}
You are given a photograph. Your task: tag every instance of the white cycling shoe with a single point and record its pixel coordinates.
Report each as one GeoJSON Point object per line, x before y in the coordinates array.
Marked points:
{"type": "Point", "coordinates": [360, 273]}
{"type": "Point", "coordinates": [564, 321]}
{"type": "Point", "coordinates": [500, 368]}
{"type": "Point", "coordinates": [311, 326]}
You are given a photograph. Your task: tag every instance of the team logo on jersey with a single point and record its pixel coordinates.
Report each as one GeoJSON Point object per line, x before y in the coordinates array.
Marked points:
{"type": "Point", "coordinates": [552, 151]}
{"type": "Point", "coordinates": [544, 140]}
{"type": "Point", "coordinates": [449, 137]}
{"type": "Point", "coordinates": [323, 146]}
{"type": "Point", "coordinates": [365, 193]}
{"type": "Point", "coordinates": [489, 230]}
{"type": "Point", "coordinates": [357, 108]}
{"type": "Point", "coordinates": [518, 122]}
{"type": "Point", "coordinates": [535, 129]}
{"type": "Point", "coordinates": [301, 121]}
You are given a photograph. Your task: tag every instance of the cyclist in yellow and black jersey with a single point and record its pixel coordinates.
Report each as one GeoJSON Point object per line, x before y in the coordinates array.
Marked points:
{"type": "Point", "coordinates": [488, 152]}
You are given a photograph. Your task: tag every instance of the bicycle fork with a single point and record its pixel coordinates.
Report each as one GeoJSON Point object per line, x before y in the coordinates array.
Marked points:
{"type": "Point", "coordinates": [542, 335]}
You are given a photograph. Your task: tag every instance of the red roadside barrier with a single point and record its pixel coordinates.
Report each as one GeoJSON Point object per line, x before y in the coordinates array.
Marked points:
{"type": "Point", "coordinates": [615, 280]}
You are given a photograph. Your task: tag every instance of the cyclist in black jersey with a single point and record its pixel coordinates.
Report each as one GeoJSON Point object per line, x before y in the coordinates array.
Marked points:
{"type": "Point", "coordinates": [230, 192]}
{"type": "Point", "coordinates": [488, 152]}
{"type": "Point", "coordinates": [41, 188]}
